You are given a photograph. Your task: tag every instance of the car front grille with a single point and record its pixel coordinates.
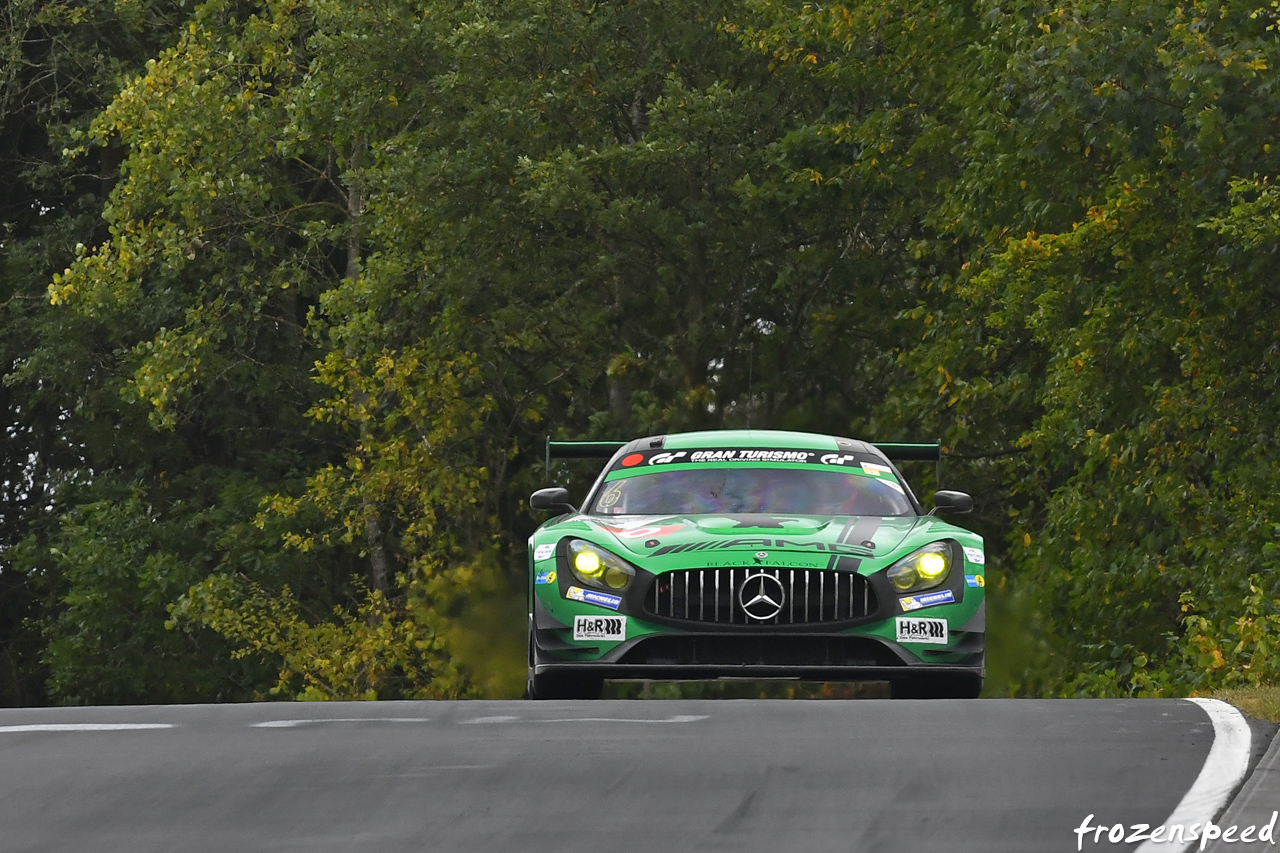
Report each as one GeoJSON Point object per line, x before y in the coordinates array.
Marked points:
{"type": "Point", "coordinates": [809, 596]}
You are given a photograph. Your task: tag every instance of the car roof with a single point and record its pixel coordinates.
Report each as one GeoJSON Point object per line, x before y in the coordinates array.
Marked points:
{"type": "Point", "coordinates": [748, 438]}
{"type": "Point", "coordinates": [752, 438]}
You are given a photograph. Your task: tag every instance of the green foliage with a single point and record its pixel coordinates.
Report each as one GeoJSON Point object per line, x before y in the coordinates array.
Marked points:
{"type": "Point", "coordinates": [1114, 346]}
{"type": "Point", "coordinates": [117, 564]}
{"type": "Point", "coordinates": [60, 64]}
{"type": "Point", "coordinates": [354, 263]}
{"type": "Point", "coordinates": [375, 652]}
{"type": "Point", "coordinates": [1229, 650]}
{"type": "Point", "coordinates": [173, 361]}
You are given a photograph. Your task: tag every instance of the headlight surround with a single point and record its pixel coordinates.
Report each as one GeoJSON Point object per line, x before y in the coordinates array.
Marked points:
{"type": "Point", "coordinates": [596, 567]}
{"type": "Point", "coordinates": [924, 568]}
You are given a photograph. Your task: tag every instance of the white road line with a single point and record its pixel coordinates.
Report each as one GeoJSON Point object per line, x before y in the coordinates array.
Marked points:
{"type": "Point", "coordinates": [86, 727]}
{"type": "Point", "coordinates": [682, 718]}
{"type": "Point", "coordinates": [679, 718]}
{"type": "Point", "coordinates": [434, 771]}
{"type": "Point", "coordinates": [1222, 772]}
{"type": "Point", "coordinates": [289, 724]}
{"type": "Point", "coordinates": [489, 720]}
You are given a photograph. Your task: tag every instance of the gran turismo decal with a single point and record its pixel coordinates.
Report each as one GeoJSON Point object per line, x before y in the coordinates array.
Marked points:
{"type": "Point", "coordinates": [919, 629]}
{"type": "Point", "coordinates": [763, 454]}
{"type": "Point", "coordinates": [928, 599]}
{"type": "Point", "coordinates": [975, 556]}
{"type": "Point", "coordinates": [665, 458]}
{"type": "Point", "coordinates": [589, 596]}
{"type": "Point", "coordinates": [544, 552]}
{"type": "Point", "coordinates": [751, 456]}
{"type": "Point", "coordinates": [975, 580]}
{"type": "Point", "coordinates": [599, 628]}
{"type": "Point", "coordinates": [837, 458]}
{"type": "Point", "coordinates": [545, 578]}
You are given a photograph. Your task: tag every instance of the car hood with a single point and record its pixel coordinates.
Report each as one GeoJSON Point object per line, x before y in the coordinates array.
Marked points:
{"type": "Point", "coordinates": [659, 535]}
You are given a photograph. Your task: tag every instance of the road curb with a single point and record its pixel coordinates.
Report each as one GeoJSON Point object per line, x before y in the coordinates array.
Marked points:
{"type": "Point", "coordinates": [1225, 769]}
{"type": "Point", "coordinates": [1254, 804]}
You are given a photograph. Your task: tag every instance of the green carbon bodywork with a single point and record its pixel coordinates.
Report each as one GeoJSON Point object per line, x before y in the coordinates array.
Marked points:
{"type": "Point", "coordinates": [661, 544]}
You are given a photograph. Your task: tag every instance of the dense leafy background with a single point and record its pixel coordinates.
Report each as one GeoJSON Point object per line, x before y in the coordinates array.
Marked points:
{"type": "Point", "coordinates": [292, 291]}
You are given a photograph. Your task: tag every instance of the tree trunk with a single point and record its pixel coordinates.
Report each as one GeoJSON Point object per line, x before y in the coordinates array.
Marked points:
{"type": "Point", "coordinates": [355, 210]}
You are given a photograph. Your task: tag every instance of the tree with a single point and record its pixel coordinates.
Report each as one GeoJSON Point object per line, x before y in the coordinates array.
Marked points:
{"type": "Point", "coordinates": [1104, 330]}
{"type": "Point", "coordinates": [188, 369]}
{"type": "Point", "coordinates": [61, 64]}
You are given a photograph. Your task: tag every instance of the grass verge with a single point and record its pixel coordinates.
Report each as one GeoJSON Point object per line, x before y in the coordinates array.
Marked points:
{"type": "Point", "coordinates": [1262, 703]}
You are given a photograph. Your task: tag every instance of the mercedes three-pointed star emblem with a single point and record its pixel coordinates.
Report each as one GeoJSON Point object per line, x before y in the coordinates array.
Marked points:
{"type": "Point", "coordinates": [761, 596]}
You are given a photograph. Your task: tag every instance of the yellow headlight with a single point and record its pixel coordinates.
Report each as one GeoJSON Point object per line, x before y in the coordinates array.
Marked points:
{"type": "Point", "coordinates": [924, 569]}
{"type": "Point", "coordinates": [588, 564]}
{"type": "Point", "coordinates": [902, 578]}
{"type": "Point", "coordinates": [594, 566]}
{"type": "Point", "coordinates": [932, 565]}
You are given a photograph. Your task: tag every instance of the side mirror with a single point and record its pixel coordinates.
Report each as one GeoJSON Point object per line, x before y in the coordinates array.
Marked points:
{"type": "Point", "coordinates": [945, 500]}
{"type": "Point", "coordinates": [551, 500]}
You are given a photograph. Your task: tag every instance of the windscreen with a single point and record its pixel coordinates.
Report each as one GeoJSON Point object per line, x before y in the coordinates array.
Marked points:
{"type": "Point", "coordinates": [789, 491]}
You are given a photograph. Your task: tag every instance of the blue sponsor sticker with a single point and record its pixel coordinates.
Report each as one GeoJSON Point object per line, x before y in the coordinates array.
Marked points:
{"type": "Point", "coordinates": [589, 596]}
{"type": "Point", "coordinates": [544, 552]}
{"type": "Point", "coordinates": [545, 577]}
{"type": "Point", "coordinates": [975, 580]}
{"type": "Point", "coordinates": [928, 599]}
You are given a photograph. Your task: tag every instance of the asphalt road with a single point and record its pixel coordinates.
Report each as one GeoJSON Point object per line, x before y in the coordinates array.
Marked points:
{"type": "Point", "coordinates": [596, 777]}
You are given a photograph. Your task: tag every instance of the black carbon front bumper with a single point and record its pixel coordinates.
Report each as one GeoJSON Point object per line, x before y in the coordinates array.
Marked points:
{"type": "Point", "coordinates": [806, 657]}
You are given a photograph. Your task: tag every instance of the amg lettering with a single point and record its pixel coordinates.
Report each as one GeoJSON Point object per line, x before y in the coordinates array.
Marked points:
{"type": "Point", "coordinates": [745, 543]}
{"type": "Point", "coordinates": [756, 544]}
{"type": "Point", "coordinates": [787, 543]}
{"type": "Point", "coordinates": [845, 548]}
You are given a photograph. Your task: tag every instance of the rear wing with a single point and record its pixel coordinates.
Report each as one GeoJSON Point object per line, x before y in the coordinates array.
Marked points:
{"type": "Point", "coordinates": [904, 452]}
{"type": "Point", "coordinates": [582, 449]}
{"type": "Point", "coordinates": [907, 452]}
{"type": "Point", "coordinates": [897, 451]}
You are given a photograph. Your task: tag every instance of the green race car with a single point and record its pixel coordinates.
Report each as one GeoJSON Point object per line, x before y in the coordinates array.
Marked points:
{"type": "Point", "coordinates": [754, 554]}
